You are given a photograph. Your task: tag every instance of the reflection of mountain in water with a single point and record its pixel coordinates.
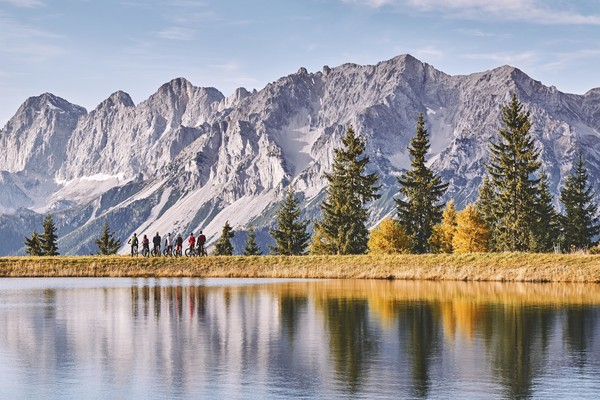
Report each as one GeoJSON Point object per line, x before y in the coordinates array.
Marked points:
{"type": "Point", "coordinates": [180, 338]}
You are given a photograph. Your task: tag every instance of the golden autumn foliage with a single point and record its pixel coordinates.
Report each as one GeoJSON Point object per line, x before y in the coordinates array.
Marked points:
{"type": "Point", "coordinates": [471, 235]}
{"type": "Point", "coordinates": [441, 237]}
{"type": "Point", "coordinates": [388, 237]}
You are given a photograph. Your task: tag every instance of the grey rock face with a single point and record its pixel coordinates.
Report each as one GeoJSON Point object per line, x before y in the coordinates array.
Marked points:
{"type": "Point", "coordinates": [198, 159]}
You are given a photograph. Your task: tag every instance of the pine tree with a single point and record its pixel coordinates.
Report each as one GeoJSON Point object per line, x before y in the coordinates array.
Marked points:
{"type": "Point", "coordinates": [471, 235]}
{"type": "Point", "coordinates": [388, 238]}
{"type": "Point", "coordinates": [513, 165]}
{"type": "Point", "coordinates": [252, 248]}
{"type": "Point", "coordinates": [107, 243]}
{"type": "Point", "coordinates": [290, 235]}
{"type": "Point", "coordinates": [420, 210]}
{"type": "Point", "coordinates": [485, 207]}
{"type": "Point", "coordinates": [224, 247]}
{"type": "Point", "coordinates": [343, 227]}
{"type": "Point", "coordinates": [33, 245]}
{"type": "Point", "coordinates": [49, 238]}
{"type": "Point", "coordinates": [580, 220]}
{"type": "Point", "coordinates": [441, 237]}
{"type": "Point", "coordinates": [547, 224]}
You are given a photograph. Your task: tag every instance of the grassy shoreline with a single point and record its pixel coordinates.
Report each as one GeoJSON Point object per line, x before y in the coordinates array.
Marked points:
{"type": "Point", "coordinates": [509, 267]}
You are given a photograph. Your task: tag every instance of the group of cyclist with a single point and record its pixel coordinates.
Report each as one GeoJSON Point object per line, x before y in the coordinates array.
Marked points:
{"type": "Point", "coordinates": [172, 247]}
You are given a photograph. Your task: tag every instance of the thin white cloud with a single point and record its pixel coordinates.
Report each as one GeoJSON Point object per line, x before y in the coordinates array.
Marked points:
{"type": "Point", "coordinates": [428, 53]}
{"type": "Point", "coordinates": [525, 58]}
{"type": "Point", "coordinates": [25, 3]}
{"type": "Point", "coordinates": [25, 41]}
{"type": "Point", "coordinates": [176, 33]}
{"type": "Point", "coordinates": [534, 11]}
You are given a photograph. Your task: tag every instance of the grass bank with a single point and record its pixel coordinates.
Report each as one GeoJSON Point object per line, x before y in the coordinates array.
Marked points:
{"type": "Point", "coordinates": [511, 267]}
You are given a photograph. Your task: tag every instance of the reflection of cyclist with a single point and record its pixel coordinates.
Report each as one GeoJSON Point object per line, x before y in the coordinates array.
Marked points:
{"type": "Point", "coordinates": [145, 246]}
{"type": "Point", "coordinates": [192, 240]}
{"type": "Point", "coordinates": [156, 242]}
{"type": "Point", "coordinates": [133, 241]}
{"type": "Point", "coordinates": [178, 244]}
{"type": "Point", "coordinates": [169, 243]}
{"type": "Point", "coordinates": [201, 241]}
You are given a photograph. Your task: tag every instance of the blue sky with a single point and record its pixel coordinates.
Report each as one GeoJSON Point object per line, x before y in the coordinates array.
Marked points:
{"type": "Point", "coordinates": [85, 50]}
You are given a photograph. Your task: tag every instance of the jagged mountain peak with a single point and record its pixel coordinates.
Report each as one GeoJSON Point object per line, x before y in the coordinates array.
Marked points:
{"type": "Point", "coordinates": [117, 99]}
{"type": "Point", "coordinates": [177, 85]}
{"type": "Point", "coordinates": [49, 101]}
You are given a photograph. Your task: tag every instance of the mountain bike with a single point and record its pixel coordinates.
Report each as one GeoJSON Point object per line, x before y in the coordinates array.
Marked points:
{"type": "Point", "coordinates": [134, 251]}
{"type": "Point", "coordinates": [201, 250]}
{"type": "Point", "coordinates": [177, 251]}
{"type": "Point", "coordinates": [168, 251]}
{"type": "Point", "coordinates": [155, 251]}
{"type": "Point", "coordinates": [145, 252]}
{"type": "Point", "coordinates": [191, 252]}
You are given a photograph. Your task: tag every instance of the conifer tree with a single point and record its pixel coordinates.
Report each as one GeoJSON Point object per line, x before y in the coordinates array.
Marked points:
{"type": "Point", "coordinates": [252, 248]}
{"type": "Point", "coordinates": [580, 219]}
{"type": "Point", "coordinates": [441, 237]}
{"type": "Point", "coordinates": [471, 235]}
{"type": "Point", "coordinates": [343, 227]}
{"type": "Point", "coordinates": [33, 245]}
{"type": "Point", "coordinates": [484, 205]}
{"type": "Point", "coordinates": [107, 243]}
{"type": "Point", "coordinates": [547, 224]}
{"type": "Point", "coordinates": [388, 238]}
{"type": "Point", "coordinates": [290, 234]}
{"type": "Point", "coordinates": [49, 238]}
{"type": "Point", "coordinates": [513, 165]}
{"type": "Point", "coordinates": [224, 247]}
{"type": "Point", "coordinates": [422, 190]}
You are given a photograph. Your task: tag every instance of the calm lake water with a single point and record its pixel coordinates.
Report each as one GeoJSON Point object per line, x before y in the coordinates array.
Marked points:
{"type": "Point", "coordinates": [268, 339]}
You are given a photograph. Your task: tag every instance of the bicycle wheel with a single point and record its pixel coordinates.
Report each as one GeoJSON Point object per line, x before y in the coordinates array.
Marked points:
{"type": "Point", "coordinates": [188, 253]}
{"type": "Point", "coordinates": [134, 251]}
{"type": "Point", "coordinates": [145, 252]}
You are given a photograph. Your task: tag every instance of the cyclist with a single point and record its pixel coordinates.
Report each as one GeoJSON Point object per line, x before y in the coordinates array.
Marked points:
{"type": "Point", "coordinates": [156, 240]}
{"type": "Point", "coordinates": [178, 244]}
{"type": "Point", "coordinates": [168, 244]}
{"type": "Point", "coordinates": [145, 246]}
{"type": "Point", "coordinates": [192, 241]}
{"type": "Point", "coordinates": [133, 241]}
{"type": "Point", "coordinates": [201, 241]}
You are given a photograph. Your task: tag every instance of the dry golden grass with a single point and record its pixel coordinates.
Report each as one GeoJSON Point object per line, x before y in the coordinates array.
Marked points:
{"type": "Point", "coordinates": [513, 267]}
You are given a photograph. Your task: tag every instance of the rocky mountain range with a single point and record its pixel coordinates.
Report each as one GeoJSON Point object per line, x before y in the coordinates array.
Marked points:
{"type": "Point", "coordinates": [189, 158]}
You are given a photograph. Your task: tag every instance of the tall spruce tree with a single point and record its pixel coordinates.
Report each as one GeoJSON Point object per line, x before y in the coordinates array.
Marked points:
{"type": "Point", "coordinates": [343, 227]}
{"type": "Point", "coordinates": [580, 219]}
{"type": "Point", "coordinates": [107, 243]}
{"type": "Point", "coordinates": [420, 208]}
{"type": "Point", "coordinates": [33, 245]}
{"type": "Point", "coordinates": [224, 247]}
{"type": "Point", "coordinates": [290, 234]}
{"type": "Point", "coordinates": [49, 237]}
{"type": "Point", "coordinates": [547, 224]}
{"type": "Point", "coordinates": [252, 248]}
{"type": "Point", "coordinates": [513, 165]}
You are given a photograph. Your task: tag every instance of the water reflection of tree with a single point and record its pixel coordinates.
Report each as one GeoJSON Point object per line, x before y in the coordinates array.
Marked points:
{"type": "Point", "coordinates": [579, 332]}
{"type": "Point", "coordinates": [351, 340]}
{"type": "Point", "coordinates": [421, 330]}
{"type": "Point", "coordinates": [291, 308]}
{"type": "Point", "coordinates": [517, 339]}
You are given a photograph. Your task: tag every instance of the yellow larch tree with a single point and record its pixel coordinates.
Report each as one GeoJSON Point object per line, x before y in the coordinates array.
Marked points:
{"type": "Point", "coordinates": [471, 235]}
{"type": "Point", "coordinates": [441, 237]}
{"type": "Point", "coordinates": [388, 237]}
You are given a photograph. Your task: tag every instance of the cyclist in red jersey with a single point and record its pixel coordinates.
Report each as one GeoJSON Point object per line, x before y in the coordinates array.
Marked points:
{"type": "Point", "coordinates": [192, 240]}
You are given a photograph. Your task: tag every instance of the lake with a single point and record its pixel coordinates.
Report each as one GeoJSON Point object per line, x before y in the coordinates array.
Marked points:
{"type": "Point", "coordinates": [270, 339]}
